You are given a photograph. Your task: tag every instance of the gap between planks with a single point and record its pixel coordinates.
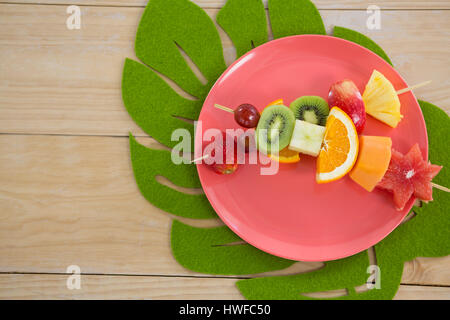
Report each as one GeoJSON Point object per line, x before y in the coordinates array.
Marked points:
{"type": "Point", "coordinates": [411, 284]}
{"type": "Point", "coordinates": [110, 287]}
{"type": "Point", "coordinates": [97, 110]}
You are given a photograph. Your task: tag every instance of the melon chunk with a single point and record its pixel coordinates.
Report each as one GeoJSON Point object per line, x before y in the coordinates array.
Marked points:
{"type": "Point", "coordinates": [373, 161]}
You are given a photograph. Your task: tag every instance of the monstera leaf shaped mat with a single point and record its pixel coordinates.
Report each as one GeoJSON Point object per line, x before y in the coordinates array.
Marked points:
{"type": "Point", "coordinates": [170, 27]}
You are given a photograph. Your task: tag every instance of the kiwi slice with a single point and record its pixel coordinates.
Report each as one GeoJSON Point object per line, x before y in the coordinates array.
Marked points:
{"type": "Point", "coordinates": [275, 128]}
{"type": "Point", "coordinates": [311, 109]}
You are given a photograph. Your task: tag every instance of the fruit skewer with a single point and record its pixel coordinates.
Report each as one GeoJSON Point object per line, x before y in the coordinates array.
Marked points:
{"type": "Point", "coordinates": [206, 156]}
{"type": "Point", "coordinates": [248, 116]}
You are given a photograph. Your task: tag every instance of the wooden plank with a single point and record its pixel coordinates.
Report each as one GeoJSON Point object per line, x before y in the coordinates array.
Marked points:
{"type": "Point", "coordinates": [427, 271]}
{"type": "Point", "coordinates": [422, 293]}
{"type": "Point", "coordinates": [59, 81]}
{"type": "Point", "coordinates": [15, 286]}
{"type": "Point", "coordinates": [28, 286]}
{"type": "Point", "coordinates": [321, 4]}
{"type": "Point", "coordinates": [73, 200]}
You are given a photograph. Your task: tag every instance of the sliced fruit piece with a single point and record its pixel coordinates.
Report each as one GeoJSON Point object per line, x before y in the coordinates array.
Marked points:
{"type": "Point", "coordinates": [409, 175]}
{"type": "Point", "coordinates": [274, 129]}
{"type": "Point", "coordinates": [381, 100]}
{"type": "Point", "coordinates": [307, 138]}
{"type": "Point", "coordinates": [225, 161]}
{"type": "Point", "coordinates": [286, 156]}
{"type": "Point", "coordinates": [373, 161]}
{"type": "Point", "coordinates": [346, 96]}
{"type": "Point", "coordinates": [276, 103]}
{"type": "Point", "coordinates": [339, 149]}
{"type": "Point", "coordinates": [312, 109]}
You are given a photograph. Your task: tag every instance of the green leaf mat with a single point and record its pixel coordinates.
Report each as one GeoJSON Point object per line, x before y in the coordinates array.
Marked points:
{"type": "Point", "coordinates": [171, 29]}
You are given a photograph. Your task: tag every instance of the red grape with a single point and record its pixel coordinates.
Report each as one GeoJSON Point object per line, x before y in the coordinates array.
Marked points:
{"type": "Point", "coordinates": [247, 116]}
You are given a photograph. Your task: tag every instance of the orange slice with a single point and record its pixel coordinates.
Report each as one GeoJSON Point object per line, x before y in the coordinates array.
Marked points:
{"type": "Point", "coordinates": [339, 149]}
{"type": "Point", "coordinates": [286, 156]}
{"type": "Point", "coordinates": [275, 103]}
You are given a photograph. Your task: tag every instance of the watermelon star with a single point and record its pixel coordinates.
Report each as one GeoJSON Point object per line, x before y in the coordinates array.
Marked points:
{"type": "Point", "coordinates": [409, 175]}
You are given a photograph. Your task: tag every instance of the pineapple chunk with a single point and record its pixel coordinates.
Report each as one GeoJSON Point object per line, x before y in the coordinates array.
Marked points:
{"type": "Point", "coordinates": [307, 138]}
{"type": "Point", "coordinates": [381, 100]}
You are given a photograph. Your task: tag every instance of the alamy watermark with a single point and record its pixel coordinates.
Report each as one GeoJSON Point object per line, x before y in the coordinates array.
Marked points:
{"type": "Point", "coordinates": [73, 281]}
{"type": "Point", "coordinates": [374, 20]}
{"type": "Point", "coordinates": [74, 20]}
{"type": "Point", "coordinates": [374, 280]}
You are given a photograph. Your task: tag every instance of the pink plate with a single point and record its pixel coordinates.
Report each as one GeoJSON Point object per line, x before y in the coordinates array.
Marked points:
{"type": "Point", "coordinates": [289, 214]}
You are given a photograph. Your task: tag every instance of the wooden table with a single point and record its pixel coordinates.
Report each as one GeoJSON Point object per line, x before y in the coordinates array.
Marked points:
{"type": "Point", "coordinates": [67, 192]}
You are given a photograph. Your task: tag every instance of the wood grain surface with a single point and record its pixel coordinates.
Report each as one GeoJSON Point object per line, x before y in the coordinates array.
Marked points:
{"type": "Point", "coordinates": [30, 286]}
{"type": "Point", "coordinates": [73, 200]}
{"type": "Point", "coordinates": [71, 85]}
{"type": "Point", "coordinates": [321, 4]}
{"type": "Point", "coordinates": [67, 192]}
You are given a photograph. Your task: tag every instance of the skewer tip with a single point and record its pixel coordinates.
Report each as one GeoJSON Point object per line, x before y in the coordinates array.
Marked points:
{"type": "Point", "coordinates": [206, 156]}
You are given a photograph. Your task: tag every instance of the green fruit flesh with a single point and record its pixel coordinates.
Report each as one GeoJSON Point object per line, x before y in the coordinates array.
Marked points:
{"type": "Point", "coordinates": [275, 128]}
{"type": "Point", "coordinates": [310, 116]}
{"type": "Point", "coordinates": [312, 109]}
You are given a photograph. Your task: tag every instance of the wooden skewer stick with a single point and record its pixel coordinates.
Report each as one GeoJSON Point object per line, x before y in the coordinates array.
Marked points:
{"type": "Point", "coordinates": [206, 156]}
{"type": "Point", "coordinates": [218, 106]}
{"type": "Point", "coordinates": [440, 187]}
{"type": "Point", "coordinates": [399, 92]}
